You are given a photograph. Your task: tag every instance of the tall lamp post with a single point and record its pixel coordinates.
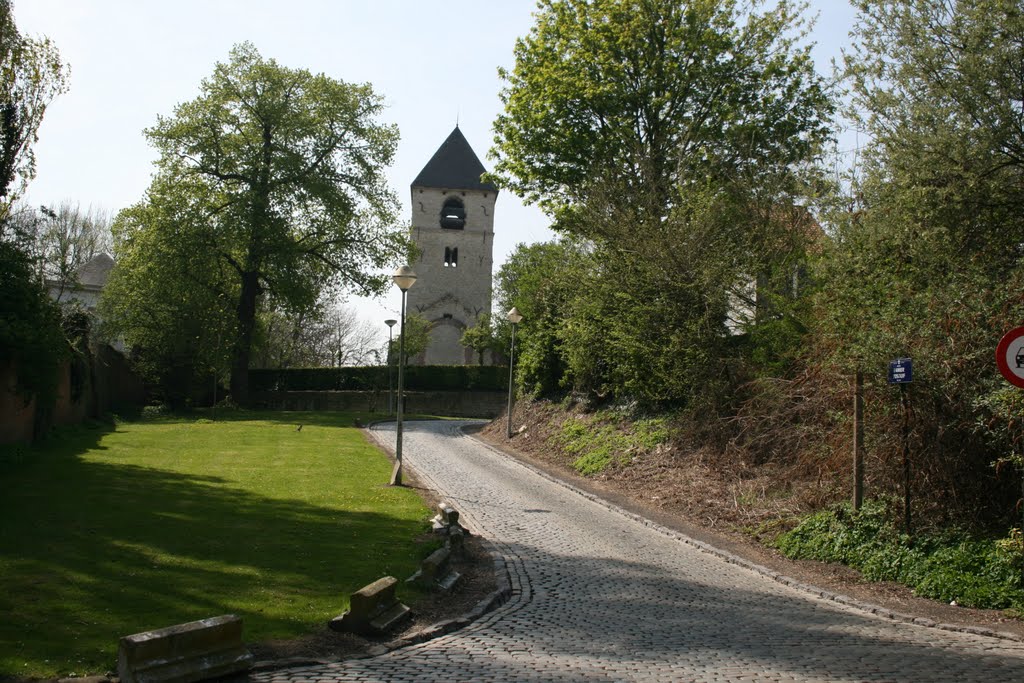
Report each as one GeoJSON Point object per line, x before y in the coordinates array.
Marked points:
{"type": "Point", "coordinates": [391, 330]}
{"type": "Point", "coordinates": [404, 278]}
{"type": "Point", "coordinates": [514, 317]}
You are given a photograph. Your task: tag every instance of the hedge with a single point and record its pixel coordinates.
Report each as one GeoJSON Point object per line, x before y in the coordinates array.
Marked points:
{"type": "Point", "coordinates": [417, 378]}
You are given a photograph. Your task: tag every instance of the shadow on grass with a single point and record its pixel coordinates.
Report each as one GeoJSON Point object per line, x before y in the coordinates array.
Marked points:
{"type": "Point", "coordinates": [91, 551]}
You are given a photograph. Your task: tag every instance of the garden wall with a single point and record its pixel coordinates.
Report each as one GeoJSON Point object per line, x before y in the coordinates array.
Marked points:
{"type": "Point", "coordinates": [86, 388]}
{"type": "Point", "coordinates": [17, 417]}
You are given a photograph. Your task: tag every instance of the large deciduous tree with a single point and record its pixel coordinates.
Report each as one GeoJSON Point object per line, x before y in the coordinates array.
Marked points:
{"type": "Point", "coordinates": [31, 75]}
{"type": "Point", "coordinates": [652, 94]}
{"type": "Point", "coordinates": [275, 175]}
{"type": "Point", "coordinates": [677, 137]}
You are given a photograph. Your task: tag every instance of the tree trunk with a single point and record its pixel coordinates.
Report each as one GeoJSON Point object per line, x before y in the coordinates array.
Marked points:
{"type": "Point", "coordinates": [243, 343]}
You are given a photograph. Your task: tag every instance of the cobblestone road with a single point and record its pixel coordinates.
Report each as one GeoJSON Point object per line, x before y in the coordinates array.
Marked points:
{"type": "Point", "coordinates": [599, 596]}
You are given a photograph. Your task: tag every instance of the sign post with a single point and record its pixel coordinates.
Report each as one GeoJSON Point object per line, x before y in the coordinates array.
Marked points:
{"type": "Point", "coordinates": [1010, 361]}
{"type": "Point", "coordinates": [858, 440]}
{"type": "Point", "coordinates": [901, 372]}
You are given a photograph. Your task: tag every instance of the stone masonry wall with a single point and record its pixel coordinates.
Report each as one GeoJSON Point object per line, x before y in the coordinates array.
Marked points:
{"type": "Point", "coordinates": [451, 296]}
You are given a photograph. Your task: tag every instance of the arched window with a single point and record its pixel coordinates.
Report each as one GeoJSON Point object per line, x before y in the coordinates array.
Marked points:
{"type": "Point", "coordinates": [453, 214]}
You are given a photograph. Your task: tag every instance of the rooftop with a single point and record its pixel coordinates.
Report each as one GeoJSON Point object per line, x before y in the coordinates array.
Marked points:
{"type": "Point", "coordinates": [454, 166]}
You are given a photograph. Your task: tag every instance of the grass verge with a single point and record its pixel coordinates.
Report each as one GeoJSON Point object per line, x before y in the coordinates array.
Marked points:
{"type": "Point", "coordinates": [109, 531]}
{"type": "Point", "coordinates": [602, 439]}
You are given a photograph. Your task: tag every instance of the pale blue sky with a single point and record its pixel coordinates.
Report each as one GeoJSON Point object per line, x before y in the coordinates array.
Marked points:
{"type": "Point", "coordinates": [433, 60]}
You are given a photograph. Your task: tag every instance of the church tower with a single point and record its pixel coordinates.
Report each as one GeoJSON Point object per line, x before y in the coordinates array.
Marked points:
{"type": "Point", "coordinates": [453, 227]}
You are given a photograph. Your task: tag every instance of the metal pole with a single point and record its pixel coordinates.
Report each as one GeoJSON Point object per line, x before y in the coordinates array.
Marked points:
{"type": "Point", "coordinates": [858, 441]}
{"type": "Point", "coordinates": [511, 364]}
{"type": "Point", "coordinates": [391, 372]}
{"type": "Point", "coordinates": [906, 458]}
{"type": "Point", "coordinates": [396, 474]}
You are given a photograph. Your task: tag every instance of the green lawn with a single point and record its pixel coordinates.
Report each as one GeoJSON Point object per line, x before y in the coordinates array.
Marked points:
{"type": "Point", "coordinates": [106, 532]}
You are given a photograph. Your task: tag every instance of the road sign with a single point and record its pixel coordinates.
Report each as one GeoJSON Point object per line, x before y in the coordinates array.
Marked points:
{"type": "Point", "coordinates": [901, 371]}
{"type": "Point", "coordinates": [1010, 356]}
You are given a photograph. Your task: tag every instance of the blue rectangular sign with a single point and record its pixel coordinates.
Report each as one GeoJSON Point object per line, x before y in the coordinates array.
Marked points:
{"type": "Point", "coordinates": [901, 371]}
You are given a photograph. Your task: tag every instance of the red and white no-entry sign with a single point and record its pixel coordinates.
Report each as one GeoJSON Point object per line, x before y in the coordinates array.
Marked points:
{"type": "Point", "coordinates": [1010, 356]}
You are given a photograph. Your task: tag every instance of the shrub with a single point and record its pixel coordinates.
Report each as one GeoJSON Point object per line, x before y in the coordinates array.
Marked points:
{"type": "Point", "coordinates": [974, 572]}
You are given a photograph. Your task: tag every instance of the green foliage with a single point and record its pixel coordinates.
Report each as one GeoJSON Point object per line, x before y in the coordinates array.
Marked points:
{"type": "Point", "coordinates": [417, 337]}
{"type": "Point", "coordinates": [483, 337]}
{"type": "Point", "coordinates": [674, 142]}
{"type": "Point", "coordinates": [636, 91]}
{"type": "Point", "coordinates": [31, 338]}
{"type": "Point", "coordinates": [269, 185]}
{"type": "Point", "coordinates": [31, 75]}
{"type": "Point", "coordinates": [1000, 418]}
{"type": "Point", "coordinates": [926, 257]}
{"type": "Point", "coordinates": [375, 378]}
{"type": "Point", "coordinates": [543, 281]}
{"type": "Point", "coordinates": [600, 440]}
{"type": "Point", "coordinates": [974, 572]}
{"type": "Point", "coordinates": [169, 302]}
{"type": "Point", "coordinates": [456, 378]}
{"type": "Point", "coordinates": [171, 520]}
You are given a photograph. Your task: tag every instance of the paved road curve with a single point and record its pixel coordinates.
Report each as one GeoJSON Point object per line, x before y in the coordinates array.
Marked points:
{"type": "Point", "coordinates": [601, 597]}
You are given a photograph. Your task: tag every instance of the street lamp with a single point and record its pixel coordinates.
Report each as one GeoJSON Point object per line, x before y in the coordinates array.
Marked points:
{"type": "Point", "coordinates": [391, 329]}
{"type": "Point", "coordinates": [404, 278]}
{"type": "Point", "coordinates": [514, 317]}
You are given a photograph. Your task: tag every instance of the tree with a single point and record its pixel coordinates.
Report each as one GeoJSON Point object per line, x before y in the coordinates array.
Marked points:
{"type": "Point", "coordinates": [482, 337]}
{"type": "Point", "coordinates": [926, 256]}
{"type": "Point", "coordinates": [542, 281]}
{"type": "Point", "coordinates": [169, 301]}
{"type": "Point", "coordinates": [675, 140]}
{"type": "Point", "coordinates": [277, 174]}
{"type": "Point", "coordinates": [31, 75]}
{"type": "Point", "coordinates": [417, 337]}
{"type": "Point", "coordinates": [67, 237]}
{"type": "Point", "coordinates": [31, 338]}
{"type": "Point", "coordinates": [650, 95]}
{"type": "Point", "coordinates": [323, 337]}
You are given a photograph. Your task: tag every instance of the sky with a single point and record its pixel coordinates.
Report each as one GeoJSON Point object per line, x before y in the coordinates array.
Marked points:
{"type": "Point", "coordinates": [435, 62]}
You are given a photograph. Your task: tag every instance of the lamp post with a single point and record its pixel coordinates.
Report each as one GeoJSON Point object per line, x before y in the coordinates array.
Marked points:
{"type": "Point", "coordinates": [404, 278]}
{"type": "Point", "coordinates": [391, 330]}
{"type": "Point", "coordinates": [514, 317]}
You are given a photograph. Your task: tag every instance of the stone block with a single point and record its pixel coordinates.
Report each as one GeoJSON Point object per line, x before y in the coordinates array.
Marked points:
{"type": "Point", "coordinates": [373, 609]}
{"type": "Point", "coordinates": [449, 515]}
{"type": "Point", "coordinates": [435, 571]}
{"type": "Point", "coordinates": [184, 653]}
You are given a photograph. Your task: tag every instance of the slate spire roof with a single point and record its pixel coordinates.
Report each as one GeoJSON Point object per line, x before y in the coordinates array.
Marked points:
{"type": "Point", "coordinates": [454, 166]}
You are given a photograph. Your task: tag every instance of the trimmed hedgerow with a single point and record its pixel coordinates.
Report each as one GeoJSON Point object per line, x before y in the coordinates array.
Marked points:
{"type": "Point", "coordinates": [417, 378]}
